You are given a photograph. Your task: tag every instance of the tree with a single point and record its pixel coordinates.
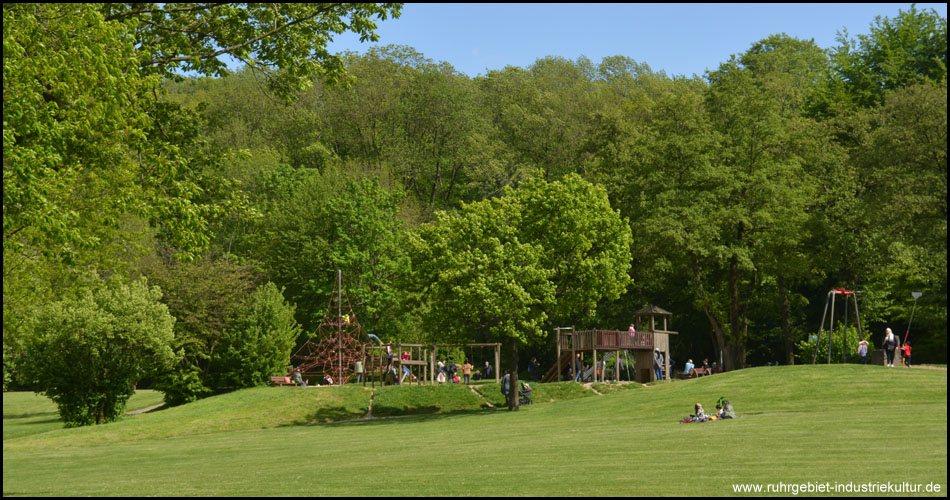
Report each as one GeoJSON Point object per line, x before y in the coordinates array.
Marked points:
{"type": "Point", "coordinates": [88, 352]}
{"type": "Point", "coordinates": [204, 296]}
{"type": "Point", "coordinates": [910, 48]}
{"type": "Point", "coordinates": [331, 221]}
{"type": "Point", "coordinates": [286, 42]}
{"type": "Point", "coordinates": [257, 342]}
{"type": "Point", "coordinates": [502, 268]}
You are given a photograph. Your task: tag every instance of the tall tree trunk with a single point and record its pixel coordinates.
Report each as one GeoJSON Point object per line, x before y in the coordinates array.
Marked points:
{"type": "Point", "coordinates": [513, 368]}
{"type": "Point", "coordinates": [786, 324]}
{"type": "Point", "coordinates": [719, 337]}
{"type": "Point", "coordinates": [735, 326]}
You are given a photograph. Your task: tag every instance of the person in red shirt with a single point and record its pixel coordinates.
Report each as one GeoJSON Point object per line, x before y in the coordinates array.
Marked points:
{"type": "Point", "coordinates": [905, 350]}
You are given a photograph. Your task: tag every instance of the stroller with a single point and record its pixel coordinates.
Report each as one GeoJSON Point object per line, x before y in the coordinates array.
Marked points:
{"type": "Point", "coordinates": [525, 394]}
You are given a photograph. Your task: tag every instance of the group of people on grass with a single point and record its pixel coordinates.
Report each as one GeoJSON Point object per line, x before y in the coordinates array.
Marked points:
{"type": "Point", "coordinates": [891, 344]}
{"type": "Point", "coordinates": [724, 411]}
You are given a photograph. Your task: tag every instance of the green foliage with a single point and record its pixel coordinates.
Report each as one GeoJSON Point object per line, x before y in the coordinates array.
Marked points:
{"type": "Point", "coordinates": [908, 49]}
{"type": "Point", "coordinates": [285, 42]}
{"type": "Point", "coordinates": [500, 268]}
{"type": "Point", "coordinates": [88, 352]}
{"type": "Point", "coordinates": [203, 296]}
{"type": "Point", "coordinates": [843, 341]}
{"type": "Point", "coordinates": [257, 342]}
{"type": "Point", "coordinates": [328, 222]}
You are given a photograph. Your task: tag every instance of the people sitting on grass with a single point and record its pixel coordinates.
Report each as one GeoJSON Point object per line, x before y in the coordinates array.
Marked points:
{"type": "Point", "coordinates": [724, 411]}
{"type": "Point", "coordinates": [727, 410]}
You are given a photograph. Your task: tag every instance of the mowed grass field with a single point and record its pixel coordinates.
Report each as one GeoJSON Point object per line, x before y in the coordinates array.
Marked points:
{"type": "Point", "coordinates": [799, 424]}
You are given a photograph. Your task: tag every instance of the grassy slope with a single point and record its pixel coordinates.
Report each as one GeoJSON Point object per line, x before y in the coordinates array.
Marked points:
{"type": "Point", "coordinates": [805, 423]}
{"type": "Point", "coordinates": [26, 413]}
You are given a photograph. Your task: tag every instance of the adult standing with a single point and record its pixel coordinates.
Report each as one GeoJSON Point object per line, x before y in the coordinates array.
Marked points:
{"type": "Point", "coordinates": [467, 371]}
{"type": "Point", "coordinates": [578, 367]}
{"type": "Point", "coordinates": [890, 344]}
{"type": "Point", "coordinates": [506, 385]}
{"type": "Point", "coordinates": [533, 368]}
{"type": "Point", "coordinates": [863, 351]}
{"type": "Point", "coordinates": [658, 363]}
{"type": "Point", "coordinates": [486, 372]}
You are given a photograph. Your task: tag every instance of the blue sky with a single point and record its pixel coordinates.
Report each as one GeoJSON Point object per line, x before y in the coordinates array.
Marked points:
{"type": "Point", "coordinates": [682, 39]}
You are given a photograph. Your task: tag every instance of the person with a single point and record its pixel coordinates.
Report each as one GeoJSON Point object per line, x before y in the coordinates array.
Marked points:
{"type": "Point", "coordinates": [440, 368]}
{"type": "Point", "coordinates": [688, 369]}
{"type": "Point", "coordinates": [405, 368]}
{"type": "Point", "coordinates": [698, 410]}
{"type": "Point", "coordinates": [632, 330]}
{"type": "Point", "coordinates": [578, 367]}
{"type": "Point", "coordinates": [359, 371]}
{"type": "Point", "coordinates": [486, 372]}
{"type": "Point", "coordinates": [450, 369]}
{"type": "Point", "coordinates": [389, 354]}
{"type": "Point", "coordinates": [727, 410]}
{"type": "Point", "coordinates": [863, 351]}
{"type": "Point", "coordinates": [327, 380]}
{"type": "Point", "coordinates": [719, 412]}
{"type": "Point", "coordinates": [890, 344]}
{"type": "Point", "coordinates": [298, 378]}
{"type": "Point", "coordinates": [467, 371]}
{"type": "Point", "coordinates": [905, 350]}
{"type": "Point", "coordinates": [506, 385]}
{"type": "Point", "coordinates": [658, 363]}
{"type": "Point", "coordinates": [533, 369]}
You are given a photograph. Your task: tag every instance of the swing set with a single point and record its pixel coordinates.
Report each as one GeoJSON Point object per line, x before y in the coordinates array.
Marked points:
{"type": "Point", "coordinates": [832, 295]}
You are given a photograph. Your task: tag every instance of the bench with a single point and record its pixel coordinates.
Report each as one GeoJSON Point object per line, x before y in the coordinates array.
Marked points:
{"type": "Point", "coordinates": [695, 372]}
{"type": "Point", "coordinates": [281, 381]}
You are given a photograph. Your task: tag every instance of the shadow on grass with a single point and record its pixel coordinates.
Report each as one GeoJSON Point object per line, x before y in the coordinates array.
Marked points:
{"type": "Point", "coordinates": [16, 416]}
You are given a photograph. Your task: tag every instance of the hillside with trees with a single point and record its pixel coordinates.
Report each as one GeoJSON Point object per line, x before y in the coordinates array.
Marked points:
{"type": "Point", "coordinates": [487, 208]}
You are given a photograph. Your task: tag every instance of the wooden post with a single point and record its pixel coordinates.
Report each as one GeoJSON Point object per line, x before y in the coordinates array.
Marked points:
{"type": "Point", "coordinates": [574, 355]}
{"type": "Point", "coordinates": [557, 339]}
{"type": "Point", "coordinates": [831, 329]}
{"type": "Point", "coordinates": [594, 365]}
{"type": "Point", "coordinates": [617, 365]}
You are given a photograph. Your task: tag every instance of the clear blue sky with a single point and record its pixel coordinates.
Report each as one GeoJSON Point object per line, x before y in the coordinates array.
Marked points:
{"type": "Point", "coordinates": [682, 39]}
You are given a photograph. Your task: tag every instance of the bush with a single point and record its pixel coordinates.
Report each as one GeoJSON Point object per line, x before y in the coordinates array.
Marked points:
{"type": "Point", "coordinates": [87, 353]}
{"type": "Point", "coordinates": [804, 350]}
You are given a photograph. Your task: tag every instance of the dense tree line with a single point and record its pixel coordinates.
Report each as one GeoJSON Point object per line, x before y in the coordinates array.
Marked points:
{"type": "Point", "coordinates": [495, 207]}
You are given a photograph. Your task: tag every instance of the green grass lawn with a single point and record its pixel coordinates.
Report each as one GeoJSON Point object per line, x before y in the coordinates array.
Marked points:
{"type": "Point", "coordinates": [798, 424]}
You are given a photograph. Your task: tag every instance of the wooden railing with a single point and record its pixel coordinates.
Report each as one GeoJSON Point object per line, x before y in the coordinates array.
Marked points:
{"type": "Point", "coordinates": [605, 340]}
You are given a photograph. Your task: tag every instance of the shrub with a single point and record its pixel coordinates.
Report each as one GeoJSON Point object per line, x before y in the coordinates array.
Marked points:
{"type": "Point", "coordinates": [87, 353]}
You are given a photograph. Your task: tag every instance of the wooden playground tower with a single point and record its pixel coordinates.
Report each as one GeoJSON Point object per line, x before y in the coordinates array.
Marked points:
{"type": "Point", "coordinates": [643, 343]}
